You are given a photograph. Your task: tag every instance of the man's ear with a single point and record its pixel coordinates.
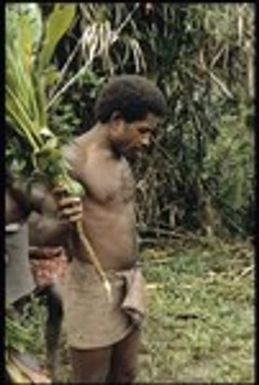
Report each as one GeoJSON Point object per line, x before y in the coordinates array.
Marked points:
{"type": "Point", "coordinates": [117, 123]}
{"type": "Point", "coordinates": [116, 115]}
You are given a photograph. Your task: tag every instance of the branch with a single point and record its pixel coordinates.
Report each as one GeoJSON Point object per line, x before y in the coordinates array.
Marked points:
{"type": "Point", "coordinates": [220, 84]}
{"type": "Point", "coordinates": [88, 63]}
{"type": "Point", "coordinates": [245, 272]}
{"type": "Point", "coordinates": [203, 67]}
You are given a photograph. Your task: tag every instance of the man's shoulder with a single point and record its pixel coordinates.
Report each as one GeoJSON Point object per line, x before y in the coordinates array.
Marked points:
{"type": "Point", "coordinates": [74, 151]}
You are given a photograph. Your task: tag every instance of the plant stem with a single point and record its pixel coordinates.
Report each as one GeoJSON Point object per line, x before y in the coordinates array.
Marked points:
{"type": "Point", "coordinates": [93, 257]}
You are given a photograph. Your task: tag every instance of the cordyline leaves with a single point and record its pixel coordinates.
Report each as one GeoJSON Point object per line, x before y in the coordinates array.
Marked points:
{"type": "Point", "coordinates": [28, 54]}
{"type": "Point", "coordinates": [57, 25]}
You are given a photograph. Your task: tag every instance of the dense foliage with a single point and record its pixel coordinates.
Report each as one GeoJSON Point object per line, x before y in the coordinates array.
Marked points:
{"type": "Point", "coordinates": [199, 174]}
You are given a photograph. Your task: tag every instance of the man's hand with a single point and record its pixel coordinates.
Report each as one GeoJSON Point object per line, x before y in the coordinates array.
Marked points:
{"type": "Point", "coordinates": [69, 208]}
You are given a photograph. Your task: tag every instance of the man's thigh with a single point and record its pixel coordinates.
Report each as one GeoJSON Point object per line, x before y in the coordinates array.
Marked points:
{"type": "Point", "coordinates": [124, 359]}
{"type": "Point", "coordinates": [90, 366]}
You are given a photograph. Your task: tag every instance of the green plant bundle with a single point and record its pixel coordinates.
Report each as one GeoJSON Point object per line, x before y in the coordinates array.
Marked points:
{"type": "Point", "coordinates": [29, 49]}
{"type": "Point", "coordinates": [28, 55]}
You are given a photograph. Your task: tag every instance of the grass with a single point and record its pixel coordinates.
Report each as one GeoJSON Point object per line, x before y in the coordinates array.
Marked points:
{"type": "Point", "coordinates": [200, 320]}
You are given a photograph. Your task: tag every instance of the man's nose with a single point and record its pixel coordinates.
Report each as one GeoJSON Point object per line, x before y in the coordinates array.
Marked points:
{"type": "Point", "coordinates": [146, 140]}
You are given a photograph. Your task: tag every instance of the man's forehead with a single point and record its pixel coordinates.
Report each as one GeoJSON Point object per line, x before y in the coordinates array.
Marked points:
{"type": "Point", "coordinates": [151, 119]}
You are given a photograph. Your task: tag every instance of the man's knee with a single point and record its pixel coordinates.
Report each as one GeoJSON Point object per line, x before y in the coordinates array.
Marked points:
{"type": "Point", "coordinates": [123, 375]}
{"type": "Point", "coordinates": [88, 377]}
{"type": "Point", "coordinates": [90, 366]}
{"type": "Point", "coordinates": [124, 359]}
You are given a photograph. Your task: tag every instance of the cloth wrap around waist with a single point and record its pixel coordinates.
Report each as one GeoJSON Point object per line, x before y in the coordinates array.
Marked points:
{"type": "Point", "coordinates": [91, 321]}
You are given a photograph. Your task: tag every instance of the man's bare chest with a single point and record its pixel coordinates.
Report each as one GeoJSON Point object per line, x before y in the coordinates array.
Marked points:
{"type": "Point", "coordinates": [108, 180]}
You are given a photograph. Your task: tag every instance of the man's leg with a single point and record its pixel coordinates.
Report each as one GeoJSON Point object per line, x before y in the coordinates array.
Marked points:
{"type": "Point", "coordinates": [53, 325]}
{"type": "Point", "coordinates": [124, 359]}
{"type": "Point", "coordinates": [90, 366]}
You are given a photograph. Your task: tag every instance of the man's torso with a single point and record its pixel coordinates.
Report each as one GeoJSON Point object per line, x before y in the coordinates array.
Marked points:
{"type": "Point", "coordinates": [108, 203]}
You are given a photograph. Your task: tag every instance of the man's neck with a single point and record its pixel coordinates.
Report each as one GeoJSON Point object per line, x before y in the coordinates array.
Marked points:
{"type": "Point", "coordinates": [101, 140]}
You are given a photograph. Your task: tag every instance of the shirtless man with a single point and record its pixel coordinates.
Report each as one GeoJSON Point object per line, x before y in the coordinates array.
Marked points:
{"type": "Point", "coordinates": [19, 283]}
{"type": "Point", "coordinates": [104, 337]}
{"type": "Point", "coordinates": [19, 280]}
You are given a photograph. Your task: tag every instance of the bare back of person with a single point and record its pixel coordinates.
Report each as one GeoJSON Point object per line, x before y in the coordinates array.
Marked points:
{"type": "Point", "coordinates": [108, 203]}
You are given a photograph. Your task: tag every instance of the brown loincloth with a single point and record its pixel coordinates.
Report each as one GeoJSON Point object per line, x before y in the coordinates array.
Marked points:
{"type": "Point", "coordinates": [90, 320]}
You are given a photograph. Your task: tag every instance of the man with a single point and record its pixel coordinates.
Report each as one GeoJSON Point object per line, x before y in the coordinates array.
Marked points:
{"type": "Point", "coordinates": [19, 279]}
{"type": "Point", "coordinates": [20, 283]}
{"type": "Point", "coordinates": [104, 337]}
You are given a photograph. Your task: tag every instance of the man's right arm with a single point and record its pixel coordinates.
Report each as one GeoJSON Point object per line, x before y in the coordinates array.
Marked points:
{"type": "Point", "coordinates": [53, 212]}
{"type": "Point", "coordinates": [37, 204]}
{"type": "Point", "coordinates": [48, 231]}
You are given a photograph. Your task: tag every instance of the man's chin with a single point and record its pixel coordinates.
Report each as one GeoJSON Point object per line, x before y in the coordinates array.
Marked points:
{"type": "Point", "coordinates": [130, 152]}
{"type": "Point", "coordinates": [135, 154]}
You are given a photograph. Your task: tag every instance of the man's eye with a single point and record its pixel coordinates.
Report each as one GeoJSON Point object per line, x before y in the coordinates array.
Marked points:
{"type": "Point", "coordinates": [144, 130]}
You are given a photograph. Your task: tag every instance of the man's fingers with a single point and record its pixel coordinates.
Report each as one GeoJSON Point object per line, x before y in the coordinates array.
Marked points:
{"type": "Point", "coordinates": [69, 201]}
{"type": "Point", "coordinates": [72, 214]}
{"type": "Point", "coordinates": [72, 218]}
{"type": "Point", "coordinates": [70, 208]}
{"type": "Point", "coordinates": [59, 191]}
{"type": "Point", "coordinates": [71, 211]}
{"type": "Point", "coordinates": [75, 218]}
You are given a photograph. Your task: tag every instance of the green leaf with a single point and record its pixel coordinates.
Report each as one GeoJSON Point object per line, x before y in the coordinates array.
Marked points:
{"type": "Point", "coordinates": [52, 75]}
{"type": "Point", "coordinates": [20, 39]}
{"type": "Point", "coordinates": [58, 23]}
{"type": "Point", "coordinates": [30, 29]}
{"type": "Point", "coordinates": [19, 117]}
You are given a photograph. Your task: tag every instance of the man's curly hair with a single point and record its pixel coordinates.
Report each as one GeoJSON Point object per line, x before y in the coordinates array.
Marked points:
{"type": "Point", "coordinates": [133, 96]}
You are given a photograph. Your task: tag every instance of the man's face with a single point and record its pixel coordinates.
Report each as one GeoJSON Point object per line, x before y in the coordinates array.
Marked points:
{"type": "Point", "coordinates": [134, 136]}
